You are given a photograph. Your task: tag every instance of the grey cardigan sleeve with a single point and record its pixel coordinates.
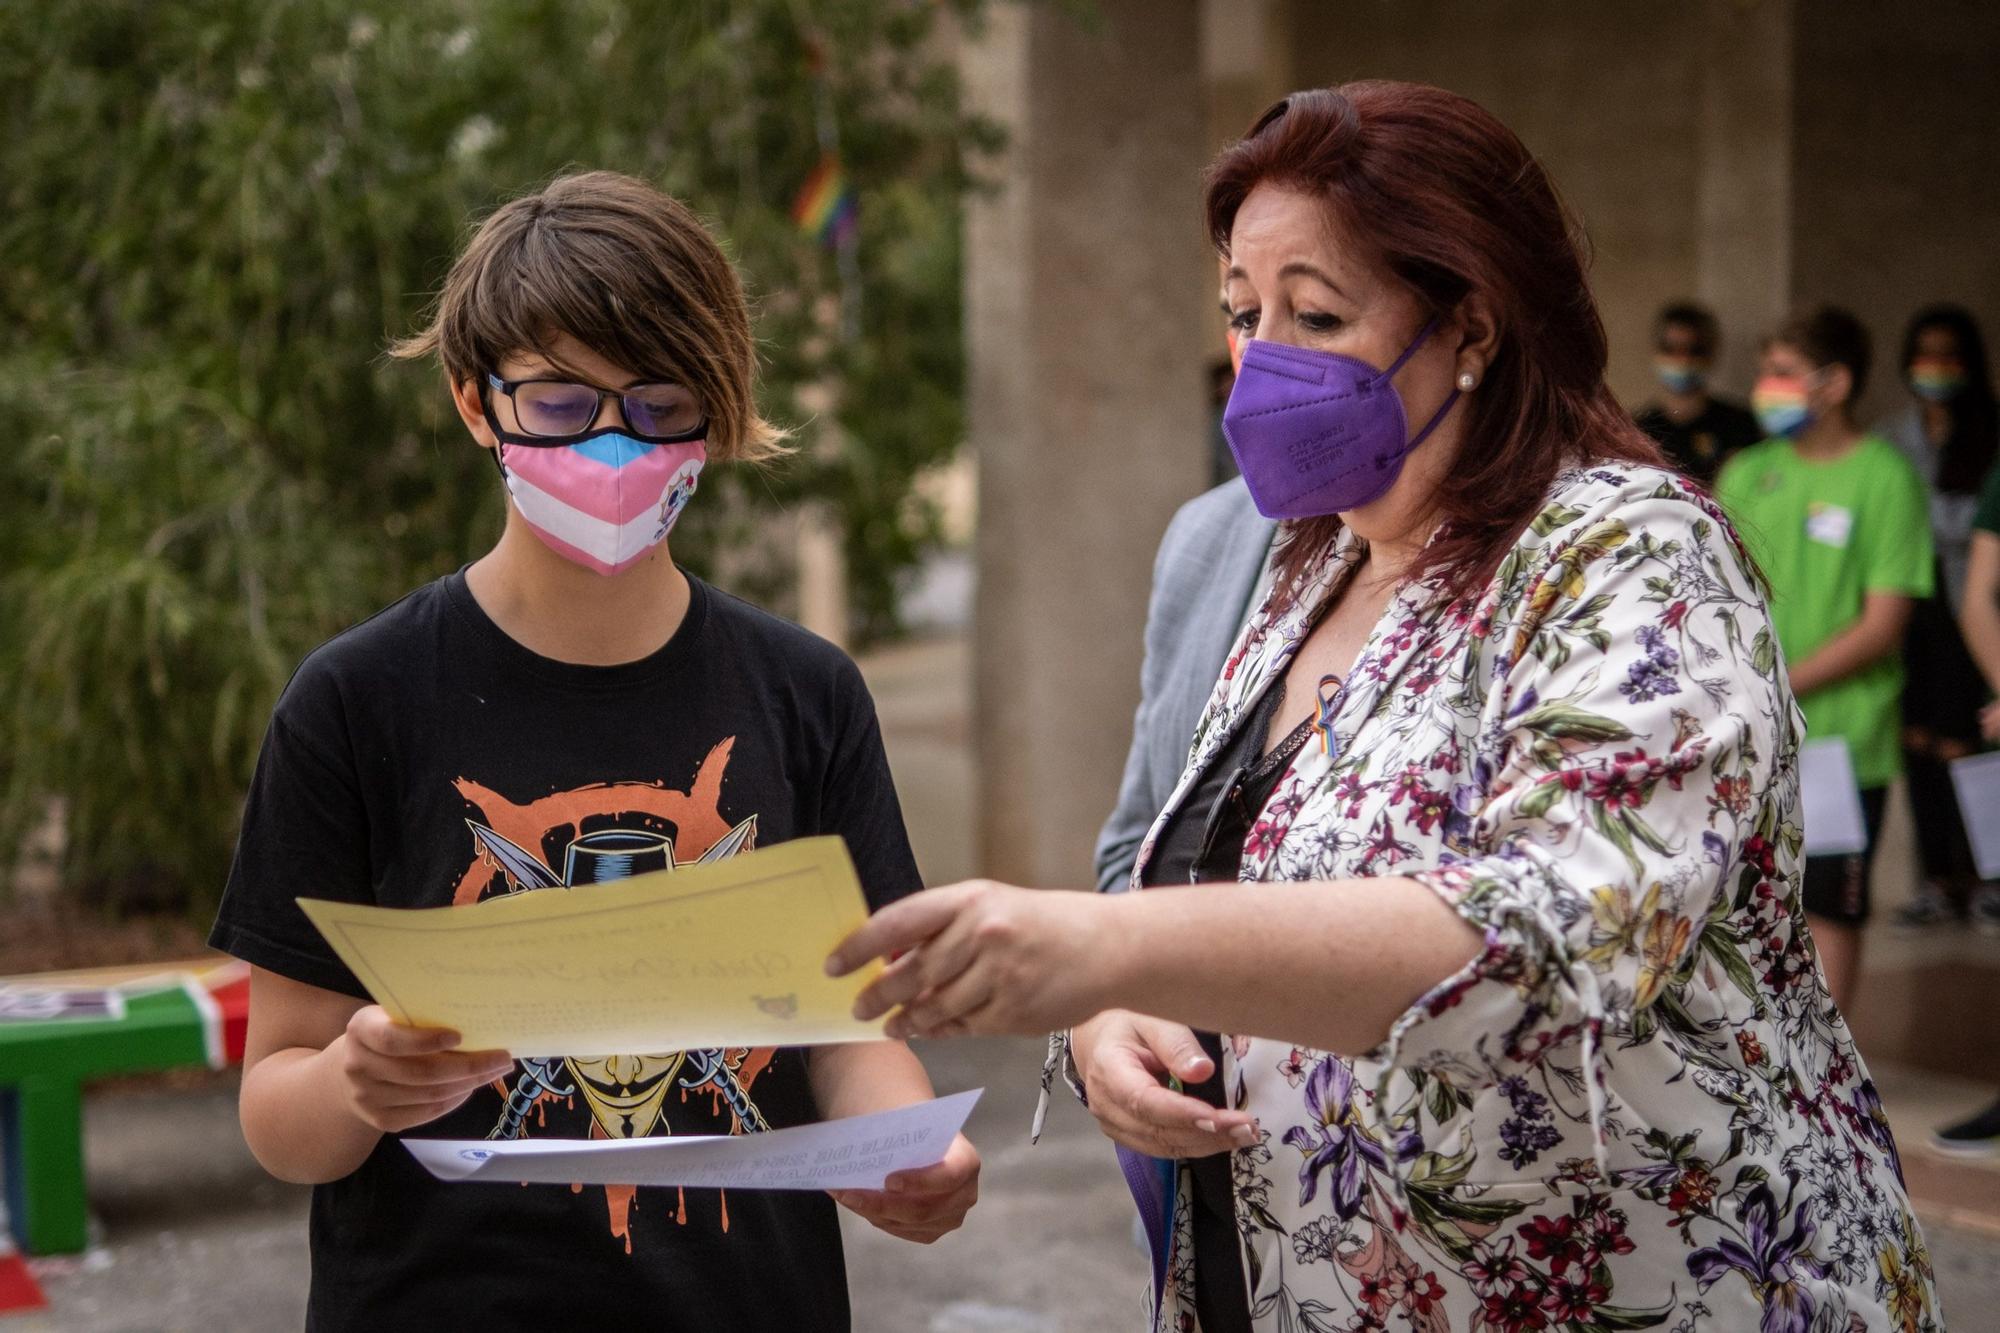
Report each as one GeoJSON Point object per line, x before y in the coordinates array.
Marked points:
{"type": "Point", "coordinates": [1143, 791]}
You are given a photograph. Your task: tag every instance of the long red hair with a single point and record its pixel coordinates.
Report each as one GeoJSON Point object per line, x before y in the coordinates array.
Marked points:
{"type": "Point", "coordinates": [1453, 203]}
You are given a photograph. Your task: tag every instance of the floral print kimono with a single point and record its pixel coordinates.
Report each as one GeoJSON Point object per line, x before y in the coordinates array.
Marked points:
{"type": "Point", "coordinates": [1637, 1107]}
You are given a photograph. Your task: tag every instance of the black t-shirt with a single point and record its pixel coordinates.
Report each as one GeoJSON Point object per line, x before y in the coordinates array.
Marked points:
{"type": "Point", "coordinates": [1202, 843]}
{"type": "Point", "coordinates": [412, 762]}
{"type": "Point", "coordinates": [1700, 445]}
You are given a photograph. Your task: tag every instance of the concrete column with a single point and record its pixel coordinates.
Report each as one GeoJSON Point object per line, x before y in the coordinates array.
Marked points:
{"type": "Point", "coordinates": [1602, 93]}
{"type": "Point", "coordinates": [1246, 63]}
{"type": "Point", "coordinates": [1087, 288]}
{"type": "Point", "coordinates": [1896, 166]}
{"type": "Point", "coordinates": [1743, 196]}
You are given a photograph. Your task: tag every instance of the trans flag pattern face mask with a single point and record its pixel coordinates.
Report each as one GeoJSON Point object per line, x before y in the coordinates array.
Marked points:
{"type": "Point", "coordinates": [1317, 433]}
{"type": "Point", "coordinates": [602, 498]}
{"type": "Point", "coordinates": [603, 501]}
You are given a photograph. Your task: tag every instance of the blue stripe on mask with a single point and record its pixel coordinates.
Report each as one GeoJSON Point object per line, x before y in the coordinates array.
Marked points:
{"type": "Point", "coordinates": [613, 450]}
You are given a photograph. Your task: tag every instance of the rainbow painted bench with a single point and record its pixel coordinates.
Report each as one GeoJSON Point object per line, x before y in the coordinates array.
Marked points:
{"type": "Point", "coordinates": [58, 1030]}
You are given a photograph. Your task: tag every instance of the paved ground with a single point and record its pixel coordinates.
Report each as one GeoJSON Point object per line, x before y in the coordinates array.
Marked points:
{"type": "Point", "coordinates": [195, 1237]}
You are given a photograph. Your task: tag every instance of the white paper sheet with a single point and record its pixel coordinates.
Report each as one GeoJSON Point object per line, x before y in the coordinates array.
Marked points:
{"type": "Point", "coordinates": [1834, 825]}
{"type": "Point", "coordinates": [857, 1153]}
{"type": "Point", "coordinates": [33, 1004]}
{"type": "Point", "coordinates": [1977, 781]}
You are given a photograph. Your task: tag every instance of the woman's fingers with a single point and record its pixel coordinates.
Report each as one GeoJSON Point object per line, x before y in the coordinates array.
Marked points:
{"type": "Point", "coordinates": [1156, 1141]}
{"type": "Point", "coordinates": [947, 1009]}
{"type": "Point", "coordinates": [1163, 1109]}
{"type": "Point", "coordinates": [935, 982]}
{"type": "Point", "coordinates": [957, 987]}
{"type": "Point", "coordinates": [900, 981]}
{"type": "Point", "coordinates": [1131, 1105]}
{"type": "Point", "coordinates": [899, 926]}
{"type": "Point", "coordinates": [938, 961]}
{"type": "Point", "coordinates": [1176, 1047]}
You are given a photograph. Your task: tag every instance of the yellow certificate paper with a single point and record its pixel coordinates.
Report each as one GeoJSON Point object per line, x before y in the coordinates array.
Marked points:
{"type": "Point", "coordinates": [728, 954]}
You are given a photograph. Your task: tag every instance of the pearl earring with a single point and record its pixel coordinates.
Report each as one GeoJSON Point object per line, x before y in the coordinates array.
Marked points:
{"type": "Point", "coordinates": [1467, 380]}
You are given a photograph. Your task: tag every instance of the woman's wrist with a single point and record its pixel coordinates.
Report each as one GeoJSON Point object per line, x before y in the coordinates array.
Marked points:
{"type": "Point", "coordinates": [1131, 950]}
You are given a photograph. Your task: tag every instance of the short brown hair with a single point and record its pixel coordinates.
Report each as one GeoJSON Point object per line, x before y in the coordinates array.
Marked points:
{"type": "Point", "coordinates": [626, 270]}
{"type": "Point", "coordinates": [1696, 319]}
{"type": "Point", "coordinates": [1830, 336]}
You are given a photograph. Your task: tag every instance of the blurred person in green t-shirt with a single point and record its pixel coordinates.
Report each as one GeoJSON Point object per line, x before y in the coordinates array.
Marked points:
{"type": "Point", "coordinates": [1837, 518]}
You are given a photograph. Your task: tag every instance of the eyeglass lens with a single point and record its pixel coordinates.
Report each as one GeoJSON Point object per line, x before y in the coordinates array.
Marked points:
{"type": "Point", "coordinates": [559, 407]}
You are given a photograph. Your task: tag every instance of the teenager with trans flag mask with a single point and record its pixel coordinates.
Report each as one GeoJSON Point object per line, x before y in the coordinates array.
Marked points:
{"type": "Point", "coordinates": [570, 705]}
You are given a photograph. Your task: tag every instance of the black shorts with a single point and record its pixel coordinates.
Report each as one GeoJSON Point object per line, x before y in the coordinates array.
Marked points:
{"type": "Point", "coordinates": [1943, 690]}
{"type": "Point", "coordinates": [1837, 887]}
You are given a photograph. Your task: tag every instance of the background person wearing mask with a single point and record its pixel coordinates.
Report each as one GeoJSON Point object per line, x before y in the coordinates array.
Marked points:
{"type": "Point", "coordinates": [1837, 520]}
{"type": "Point", "coordinates": [1948, 433]}
{"type": "Point", "coordinates": [1698, 431]}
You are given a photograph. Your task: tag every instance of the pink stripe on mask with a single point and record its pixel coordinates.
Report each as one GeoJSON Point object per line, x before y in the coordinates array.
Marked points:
{"type": "Point", "coordinates": [613, 494]}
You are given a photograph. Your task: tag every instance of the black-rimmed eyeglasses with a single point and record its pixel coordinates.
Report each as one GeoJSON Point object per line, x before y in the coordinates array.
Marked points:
{"type": "Point", "coordinates": [555, 412]}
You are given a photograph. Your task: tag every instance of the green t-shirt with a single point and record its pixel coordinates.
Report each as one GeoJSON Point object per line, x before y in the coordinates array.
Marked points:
{"type": "Point", "coordinates": [1827, 534]}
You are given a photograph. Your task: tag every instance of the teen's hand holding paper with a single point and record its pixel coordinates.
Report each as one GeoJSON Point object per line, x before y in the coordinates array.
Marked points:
{"type": "Point", "coordinates": [326, 1076]}
{"type": "Point", "coordinates": [391, 1078]}
{"type": "Point", "coordinates": [554, 970]}
{"type": "Point", "coordinates": [716, 954]}
{"type": "Point", "coordinates": [921, 1205]}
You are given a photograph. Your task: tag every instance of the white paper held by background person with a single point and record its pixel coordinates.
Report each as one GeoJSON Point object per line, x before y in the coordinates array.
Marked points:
{"type": "Point", "coordinates": [1976, 778]}
{"type": "Point", "coordinates": [1831, 800]}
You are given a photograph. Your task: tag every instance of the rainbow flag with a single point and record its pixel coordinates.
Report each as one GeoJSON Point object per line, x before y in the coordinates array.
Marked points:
{"type": "Point", "coordinates": [826, 206]}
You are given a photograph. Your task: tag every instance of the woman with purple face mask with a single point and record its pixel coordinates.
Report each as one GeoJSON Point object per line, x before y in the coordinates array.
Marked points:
{"type": "Point", "coordinates": [1469, 986]}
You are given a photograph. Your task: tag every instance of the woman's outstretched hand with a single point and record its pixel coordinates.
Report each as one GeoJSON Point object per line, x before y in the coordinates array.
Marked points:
{"type": "Point", "coordinates": [1122, 1056]}
{"type": "Point", "coordinates": [980, 957]}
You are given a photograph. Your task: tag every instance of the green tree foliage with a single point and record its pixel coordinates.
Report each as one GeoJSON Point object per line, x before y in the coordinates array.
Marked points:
{"type": "Point", "coordinates": [213, 216]}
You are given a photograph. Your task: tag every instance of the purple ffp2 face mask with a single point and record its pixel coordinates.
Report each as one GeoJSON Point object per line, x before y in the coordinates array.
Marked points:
{"type": "Point", "coordinates": [1316, 433]}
